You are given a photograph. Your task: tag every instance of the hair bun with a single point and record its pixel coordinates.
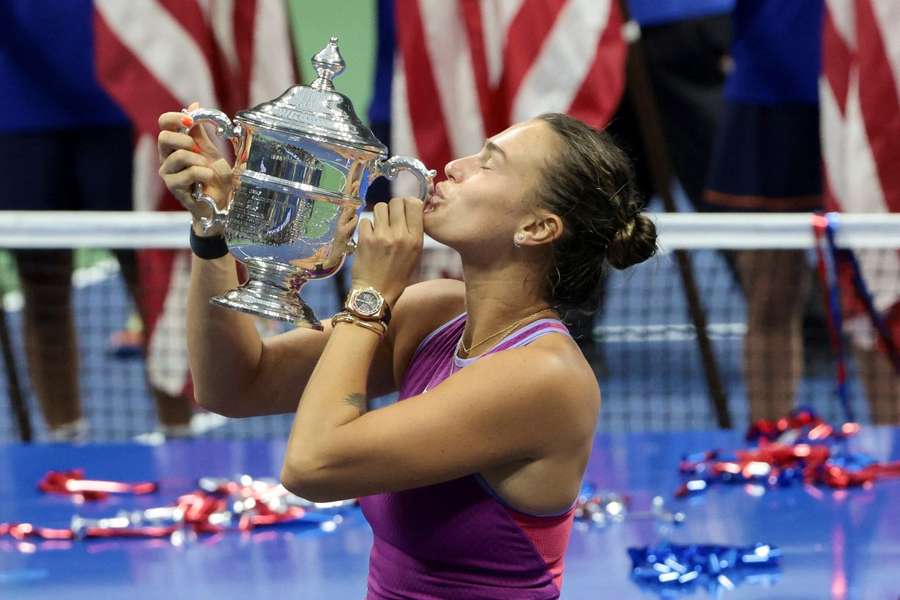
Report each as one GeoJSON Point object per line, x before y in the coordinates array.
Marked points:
{"type": "Point", "coordinates": [633, 243]}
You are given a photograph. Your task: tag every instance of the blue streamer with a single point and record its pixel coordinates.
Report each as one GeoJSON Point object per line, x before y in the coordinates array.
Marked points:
{"type": "Point", "coordinates": [676, 568]}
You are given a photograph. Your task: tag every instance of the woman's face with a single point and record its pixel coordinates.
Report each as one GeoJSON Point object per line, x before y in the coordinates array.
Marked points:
{"type": "Point", "coordinates": [486, 196]}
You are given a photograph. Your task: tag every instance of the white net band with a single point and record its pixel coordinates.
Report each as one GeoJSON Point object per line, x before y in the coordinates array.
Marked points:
{"type": "Point", "coordinates": [61, 229]}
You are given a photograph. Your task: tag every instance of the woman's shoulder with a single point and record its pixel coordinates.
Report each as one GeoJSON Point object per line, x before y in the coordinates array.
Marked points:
{"type": "Point", "coordinates": [554, 382]}
{"type": "Point", "coordinates": [560, 357]}
{"type": "Point", "coordinates": [555, 373]}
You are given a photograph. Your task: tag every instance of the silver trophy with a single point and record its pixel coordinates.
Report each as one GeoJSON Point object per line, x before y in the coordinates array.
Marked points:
{"type": "Point", "coordinates": [303, 164]}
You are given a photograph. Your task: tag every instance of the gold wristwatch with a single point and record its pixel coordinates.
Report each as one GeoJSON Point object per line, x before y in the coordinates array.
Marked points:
{"type": "Point", "coordinates": [368, 304]}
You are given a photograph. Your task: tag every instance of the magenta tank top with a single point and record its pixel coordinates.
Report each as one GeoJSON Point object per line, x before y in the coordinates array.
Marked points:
{"type": "Point", "coordinates": [458, 539]}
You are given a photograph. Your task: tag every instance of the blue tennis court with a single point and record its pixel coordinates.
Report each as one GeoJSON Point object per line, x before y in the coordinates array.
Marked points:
{"type": "Point", "coordinates": [836, 544]}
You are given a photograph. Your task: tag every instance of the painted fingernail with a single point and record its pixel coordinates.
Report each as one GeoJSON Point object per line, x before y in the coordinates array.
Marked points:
{"type": "Point", "coordinates": [187, 121]}
{"type": "Point", "coordinates": [196, 148]}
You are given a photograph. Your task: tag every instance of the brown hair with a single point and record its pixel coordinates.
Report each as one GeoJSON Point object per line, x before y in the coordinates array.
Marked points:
{"type": "Point", "coordinates": [590, 185]}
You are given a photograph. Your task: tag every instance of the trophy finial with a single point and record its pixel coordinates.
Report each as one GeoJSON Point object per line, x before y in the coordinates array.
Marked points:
{"type": "Point", "coordinates": [328, 64]}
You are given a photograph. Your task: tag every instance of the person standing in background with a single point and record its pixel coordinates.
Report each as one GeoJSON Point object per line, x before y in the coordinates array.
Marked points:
{"type": "Point", "coordinates": [686, 53]}
{"type": "Point", "coordinates": [686, 49]}
{"type": "Point", "coordinates": [65, 145]}
{"type": "Point", "coordinates": [152, 56]}
{"type": "Point", "coordinates": [767, 158]}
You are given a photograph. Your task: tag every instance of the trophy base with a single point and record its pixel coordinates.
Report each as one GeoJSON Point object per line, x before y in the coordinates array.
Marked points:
{"type": "Point", "coordinates": [272, 292]}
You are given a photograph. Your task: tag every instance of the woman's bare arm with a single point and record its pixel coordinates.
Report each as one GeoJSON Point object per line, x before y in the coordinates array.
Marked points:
{"type": "Point", "coordinates": [235, 372]}
{"type": "Point", "coordinates": [521, 405]}
{"type": "Point", "coordinates": [238, 374]}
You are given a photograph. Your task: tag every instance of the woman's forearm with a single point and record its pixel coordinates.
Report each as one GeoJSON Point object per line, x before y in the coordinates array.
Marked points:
{"type": "Point", "coordinates": [334, 396]}
{"type": "Point", "coordinates": [321, 442]}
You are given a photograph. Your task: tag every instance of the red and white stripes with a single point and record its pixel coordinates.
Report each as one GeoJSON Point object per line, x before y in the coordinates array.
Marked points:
{"type": "Point", "coordinates": [159, 55]}
{"type": "Point", "coordinates": [860, 117]}
{"type": "Point", "coordinates": [467, 69]}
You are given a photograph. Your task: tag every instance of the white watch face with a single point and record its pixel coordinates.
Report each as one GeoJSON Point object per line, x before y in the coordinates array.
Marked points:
{"type": "Point", "coordinates": [366, 303]}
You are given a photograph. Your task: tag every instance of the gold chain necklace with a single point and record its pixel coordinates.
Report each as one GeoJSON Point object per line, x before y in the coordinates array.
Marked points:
{"type": "Point", "coordinates": [466, 350]}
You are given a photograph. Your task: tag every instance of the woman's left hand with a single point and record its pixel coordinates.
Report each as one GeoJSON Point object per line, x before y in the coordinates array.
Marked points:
{"type": "Point", "coordinates": [389, 247]}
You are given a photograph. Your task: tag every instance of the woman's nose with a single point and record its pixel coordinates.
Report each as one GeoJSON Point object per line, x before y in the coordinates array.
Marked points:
{"type": "Point", "coordinates": [451, 170]}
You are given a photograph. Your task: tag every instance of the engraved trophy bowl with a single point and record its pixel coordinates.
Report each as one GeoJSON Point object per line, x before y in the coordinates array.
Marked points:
{"type": "Point", "coordinates": [304, 162]}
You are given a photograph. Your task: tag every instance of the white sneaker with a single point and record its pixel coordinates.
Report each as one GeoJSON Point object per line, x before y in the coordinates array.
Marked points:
{"type": "Point", "coordinates": [200, 423]}
{"type": "Point", "coordinates": [74, 432]}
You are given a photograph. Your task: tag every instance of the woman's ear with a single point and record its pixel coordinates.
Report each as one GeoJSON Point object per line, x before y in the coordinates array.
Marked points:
{"type": "Point", "coordinates": [543, 228]}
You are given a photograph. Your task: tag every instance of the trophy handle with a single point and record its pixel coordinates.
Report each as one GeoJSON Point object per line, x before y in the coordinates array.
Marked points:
{"type": "Point", "coordinates": [215, 223]}
{"type": "Point", "coordinates": [391, 167]}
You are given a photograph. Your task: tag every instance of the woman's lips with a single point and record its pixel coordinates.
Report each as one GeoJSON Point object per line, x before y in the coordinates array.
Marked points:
{"type": "Point", "coordinates": [434, 199]}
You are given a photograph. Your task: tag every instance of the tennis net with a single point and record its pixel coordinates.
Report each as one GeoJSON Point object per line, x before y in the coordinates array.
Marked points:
{"type": "Point", "coordinates": [728, 323]}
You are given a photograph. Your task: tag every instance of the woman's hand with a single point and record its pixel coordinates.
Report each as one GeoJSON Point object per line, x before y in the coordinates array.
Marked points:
{"type": "Point", "coordinates": [189, 158]}
{"type": "Point", "coordinates": [389, 247]}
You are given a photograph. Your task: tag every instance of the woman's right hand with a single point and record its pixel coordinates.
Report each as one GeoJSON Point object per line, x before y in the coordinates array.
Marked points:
{"type": "Point", "coordinates": [189, 158]}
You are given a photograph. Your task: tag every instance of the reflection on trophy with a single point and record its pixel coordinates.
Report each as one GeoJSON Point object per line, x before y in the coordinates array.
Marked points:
{"type": "Point", "coordinates": [303, 164]}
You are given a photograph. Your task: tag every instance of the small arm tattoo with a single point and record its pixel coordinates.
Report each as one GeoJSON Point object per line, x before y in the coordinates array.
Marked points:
{"type": "Point", "coordinates": [357, 401]}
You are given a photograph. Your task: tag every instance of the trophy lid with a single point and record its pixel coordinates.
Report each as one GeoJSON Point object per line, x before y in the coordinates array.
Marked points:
{"type": "Point", "coordinates": [317, 111]}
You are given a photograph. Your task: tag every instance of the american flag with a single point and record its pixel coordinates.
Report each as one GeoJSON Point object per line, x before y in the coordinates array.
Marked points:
{"type": "Point", "coordinates": [467, 69]}
{"type": "Point", "coordinates": [155, 56]}
{"type": "Point", "coordinates": [860, 120]}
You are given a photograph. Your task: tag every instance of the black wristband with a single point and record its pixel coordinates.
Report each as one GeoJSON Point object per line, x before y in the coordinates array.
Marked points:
{"type": "Point", "coordinates": [208, 248]}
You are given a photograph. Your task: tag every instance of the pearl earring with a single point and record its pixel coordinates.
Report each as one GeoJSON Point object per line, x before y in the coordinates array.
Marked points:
{"type": "Point", "coordinates": [518, 239]}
